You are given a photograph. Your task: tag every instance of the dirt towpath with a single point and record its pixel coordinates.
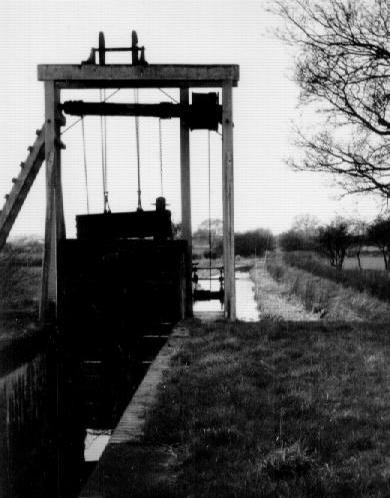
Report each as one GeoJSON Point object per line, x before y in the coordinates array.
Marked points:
{"type": "Point", "coordinates": [274, 299]}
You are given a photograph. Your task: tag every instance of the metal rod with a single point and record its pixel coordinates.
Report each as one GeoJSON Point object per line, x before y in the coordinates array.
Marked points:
{"type": "Point", "coordinates": [120, 49]}
{"type": "Point", "coordinates": [205, 267]}
{"type": "Point", "coordinates": [207, 279]}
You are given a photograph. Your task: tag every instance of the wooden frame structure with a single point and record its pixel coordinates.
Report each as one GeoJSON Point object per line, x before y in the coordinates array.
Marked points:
{"type": "Point", "coordinates": [87, 76]}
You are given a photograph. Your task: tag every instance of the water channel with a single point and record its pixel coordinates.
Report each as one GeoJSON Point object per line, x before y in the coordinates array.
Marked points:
{"type": "Point", "coordinates": [246, 307]}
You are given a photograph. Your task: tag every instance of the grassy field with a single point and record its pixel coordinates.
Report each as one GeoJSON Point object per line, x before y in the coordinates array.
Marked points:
{"type": "Point", "coordinates": [20, 273]}
{"type": "Point", "coordinates": [368, 262]}
{"type": "Point", "coordinates": [276, 409]}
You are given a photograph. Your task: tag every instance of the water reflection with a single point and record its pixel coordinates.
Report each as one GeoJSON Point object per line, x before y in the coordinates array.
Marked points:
{"type": "Point", "coordinates": [95, 442]}
{"type": "Point", "coordinates": [246, 307]}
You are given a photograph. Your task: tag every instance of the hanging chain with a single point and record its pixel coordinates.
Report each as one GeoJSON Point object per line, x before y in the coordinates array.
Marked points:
{"type": "Point", "coordinates": [106, 204]}
{"type": "Point", "coordinates": [209, 171]}
{"type": "Point", "coordinates": [103, 135]}
{"type": "Point", "coordinates": [102, 152]}
{"type": "Point", "coordinates": [161, 157]}
{"type": "Point", "coordinates": [139, 207]}
{"type": "Point", "coordinates": [85, 162]}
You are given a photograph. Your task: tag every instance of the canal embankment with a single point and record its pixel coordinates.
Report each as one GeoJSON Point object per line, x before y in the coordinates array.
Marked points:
{"type": "Point", "coordinates": [275, 299]}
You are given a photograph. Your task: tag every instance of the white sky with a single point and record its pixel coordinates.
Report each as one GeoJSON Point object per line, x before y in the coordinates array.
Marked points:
{"type": "Point", "coordinates": [267, 193]}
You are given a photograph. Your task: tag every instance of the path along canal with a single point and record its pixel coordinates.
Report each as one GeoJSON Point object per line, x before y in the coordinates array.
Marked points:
{"type": "Point", "coordinates": [274, 299]}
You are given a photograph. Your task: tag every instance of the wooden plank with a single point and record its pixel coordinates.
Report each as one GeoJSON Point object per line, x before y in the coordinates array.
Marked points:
{"type": "Point", "coordinates": [185, 178]}
{"type": "Point", "coordinates": [55, 224]}
{"type": "Point", "coordinates": [125, 75]}
{"type": "Point", "coordinates": [228, 202]}
{"type": "Point", "coordinates": [21, 186]}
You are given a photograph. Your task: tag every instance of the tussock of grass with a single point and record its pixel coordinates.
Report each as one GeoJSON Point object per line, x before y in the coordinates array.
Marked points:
{"type": "Point", "coordinates": [333, 301]}
{"type": "Point", "coordinates": [277, 409]}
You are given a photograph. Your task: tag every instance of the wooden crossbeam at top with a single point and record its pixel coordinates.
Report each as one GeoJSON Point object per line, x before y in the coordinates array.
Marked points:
{"type": "Point", "coordinates": [129, 76]}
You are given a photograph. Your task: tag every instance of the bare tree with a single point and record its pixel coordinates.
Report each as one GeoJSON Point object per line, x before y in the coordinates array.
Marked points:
{"type": "Point", "coordinates": [359, 239]}
{"type": "Point", "coordinates": [301, 236]}
{"type": "Point", "coordinates": [210, 232]}
{"type": "Point", "coordinates": [334, 240]}
{"type": "Point", "coordinates": [379, 234]}
{"type": "Point", "coordinates": [343, 69]}
{"type": "Point", "coordinates": [305, 223]}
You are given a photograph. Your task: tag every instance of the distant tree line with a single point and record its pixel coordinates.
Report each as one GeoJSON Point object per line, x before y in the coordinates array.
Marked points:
{"type": "Point", "coordinates": [249, 243]}
{"type": "Point", "coordinates": [339, 238]}
{"type": "Point", "coordinates": [254, 242]}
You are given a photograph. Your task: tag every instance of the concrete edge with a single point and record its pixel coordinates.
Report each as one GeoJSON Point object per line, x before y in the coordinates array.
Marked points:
{"type": "Point", "coordinates": [130, 428]}
{"type": "Point", "coordinates": [131, 425]}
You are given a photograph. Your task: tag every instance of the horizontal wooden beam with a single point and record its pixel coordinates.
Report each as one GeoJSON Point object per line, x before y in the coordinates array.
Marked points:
{"type": "Point", "coordinates": [129, 76]}
{"type": "Point", "coordinates": [201, 116]}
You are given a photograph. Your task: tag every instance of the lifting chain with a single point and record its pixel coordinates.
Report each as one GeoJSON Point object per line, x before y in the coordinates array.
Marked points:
{"type": "Point", "coordinates": [161, 157]}
{"type": "Point", "coordinates": [85, 162]}
{"type": "Point", "coordinates": [103, 133]}
{"type": "Point", "coordinates": [139, 207]}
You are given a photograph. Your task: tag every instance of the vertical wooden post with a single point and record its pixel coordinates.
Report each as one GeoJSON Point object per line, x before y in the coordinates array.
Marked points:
{"type": "Point", "coordinates": [55, 224]}
{"type": "Point", "coordinates": [228, 201]}
{"type": "Point", "coordinates": [186, 197]}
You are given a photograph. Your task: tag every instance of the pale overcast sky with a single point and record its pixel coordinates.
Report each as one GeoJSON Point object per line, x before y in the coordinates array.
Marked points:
{"type": "Point", "coordinates": [267, 193]}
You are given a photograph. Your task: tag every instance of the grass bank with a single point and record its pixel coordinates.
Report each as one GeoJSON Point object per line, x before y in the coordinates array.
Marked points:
{"type": "Point", "coordinates": [277, 409]}
{"type": "Point", "coordinates": [375, 282]}
{"type": "Point", "coordinates": [332, 300]}
{"type": "Point", "coordinates": [20, 273]}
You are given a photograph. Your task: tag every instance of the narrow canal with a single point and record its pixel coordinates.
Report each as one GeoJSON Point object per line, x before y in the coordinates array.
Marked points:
{"type": "Point", "coordinates": [246, 307]}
